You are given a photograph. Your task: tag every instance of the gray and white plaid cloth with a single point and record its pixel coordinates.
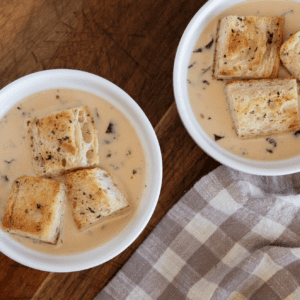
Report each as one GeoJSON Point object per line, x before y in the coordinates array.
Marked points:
{"type": "Point", "coordinates": [232, 236]}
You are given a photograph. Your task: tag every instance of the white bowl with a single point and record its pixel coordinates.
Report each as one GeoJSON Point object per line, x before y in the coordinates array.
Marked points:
{"type": "Point", "coordinates": [55, 79]}
{"type": "Point", "coordinates": [191, 34]}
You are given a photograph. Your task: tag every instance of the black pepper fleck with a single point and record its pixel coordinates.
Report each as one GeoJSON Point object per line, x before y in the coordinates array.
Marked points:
{"type": "Point", "coordinates": [5, 178]}
{"type": "Point", "coordinates": [205, 70]}
{"type": "Point", "coordinates": [271, 141]}
{"type": "Point", "coordinates": [191, 65]}
{"type": "Point", "coordinates": [199, 50]}
{"type": "Point", "coordinates": [110, 128]}
{"type": "Point", "coordinates": [296, 133]}
{"type": "Point", "coordinates": [9, 161]}
{"type": "Point", "coordinates": [208, 46]}
{"type": "Point", "coordinates": [218, 137]}
{"type": "Point", "coordinates": [270, 38]}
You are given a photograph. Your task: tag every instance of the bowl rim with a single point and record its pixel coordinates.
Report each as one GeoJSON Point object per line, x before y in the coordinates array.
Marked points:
{"type": "Point", "coordinates": [192, 32]}
{"type": "Point", "coordinates": [80, 80]}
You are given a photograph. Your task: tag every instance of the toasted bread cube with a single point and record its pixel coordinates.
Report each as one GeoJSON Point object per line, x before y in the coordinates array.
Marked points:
{"type": "Point", "coordinates": [63, 141]}
{"type": "Point", "coordinates": [263, 107]}
{"type": "Point", "coordinates": [290, 54]}
{"type": "Point", "coordinates": [248, 47]}
{"type": "Point", "coordinates": [93, 196]}
{"type": "Point", "coordinates": [35, 208]}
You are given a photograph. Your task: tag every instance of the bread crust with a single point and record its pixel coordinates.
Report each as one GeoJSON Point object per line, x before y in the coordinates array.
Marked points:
{"type": "Point", "coordinates": [280, 21]}
{"type": "Point", "coordinates": [34, 208]}
{"type": "Point", "coordinates": [215, 53]}
{"type": "Point", "coordinates": [63, 141]}
{"type": "Point", "coordinates": [264, 80]}
{"type": "Point", "coordinates": [263, 107]}
{"type": "Point", "coordinates": [93, 196]}
{"type": "Point", "coordinates": [289, 54]}
{"type": "Point", "coordinates": [248, 47]}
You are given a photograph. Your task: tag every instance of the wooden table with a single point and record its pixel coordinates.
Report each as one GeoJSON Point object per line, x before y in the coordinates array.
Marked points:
{"type": "Point", "coordinates": [131, 43]}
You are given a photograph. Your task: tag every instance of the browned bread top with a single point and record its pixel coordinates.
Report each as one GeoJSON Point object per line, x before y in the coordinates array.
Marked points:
{"type": "Point", "coordinates": [263, 107]}
{"type": "Point", "coordinates": [63, 141]}
{"type": "Point", "coordinates": [34, 208]}
{"type": "Point", "coordinates": [93, 196]}
{"type": "Point", "coordinates": [248, 47]}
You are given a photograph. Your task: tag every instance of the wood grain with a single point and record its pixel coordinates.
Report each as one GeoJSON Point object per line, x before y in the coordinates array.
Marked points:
{"type": "Point", "coordinates": [133, 44]}
{"type": "Point", "coordinates": [33, 34]}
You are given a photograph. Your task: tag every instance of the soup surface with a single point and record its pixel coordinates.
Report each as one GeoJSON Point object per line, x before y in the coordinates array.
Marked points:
{"type": "Point", "coordinates": [207, 95]}
{"type": "Point", "coordinates": [121, 154]}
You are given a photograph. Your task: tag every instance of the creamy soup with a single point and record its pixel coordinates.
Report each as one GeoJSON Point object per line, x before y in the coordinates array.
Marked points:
{"type": "Point", "coordinates": [207, 95]}
{"type": "Point", "coordinates": [121, 154]}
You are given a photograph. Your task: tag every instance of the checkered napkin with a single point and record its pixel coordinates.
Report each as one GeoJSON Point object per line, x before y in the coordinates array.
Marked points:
{"type": "Point", "coordinates": [232, 236]}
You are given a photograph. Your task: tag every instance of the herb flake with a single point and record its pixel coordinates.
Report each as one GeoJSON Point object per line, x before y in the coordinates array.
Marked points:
{"type": "Point", "coordinates": [218, 137]}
